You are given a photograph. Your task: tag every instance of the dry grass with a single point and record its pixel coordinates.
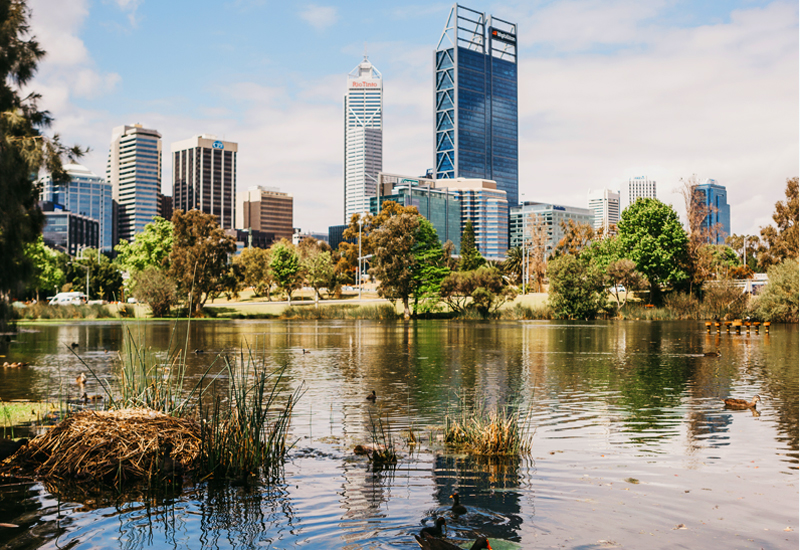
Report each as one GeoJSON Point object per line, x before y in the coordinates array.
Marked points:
{"type": "Point", "coordinates": [485, 433]}
{"type": "Point", "coordinates": [112, 447]}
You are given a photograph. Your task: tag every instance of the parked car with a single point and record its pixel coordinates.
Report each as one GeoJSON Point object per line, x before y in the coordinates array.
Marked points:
{"type": "Point", "coordinates": [618, 288]}
{"type": "Point", "coordinates": [68, 299]}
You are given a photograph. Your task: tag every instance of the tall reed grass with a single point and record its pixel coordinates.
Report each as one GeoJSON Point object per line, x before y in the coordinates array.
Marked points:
{"type": "Point", "coordinates": [500, 432]}
{"type": "Point", "coordinates": [45, 311]}
{"type": "Point", "coordinates": [379, 312]}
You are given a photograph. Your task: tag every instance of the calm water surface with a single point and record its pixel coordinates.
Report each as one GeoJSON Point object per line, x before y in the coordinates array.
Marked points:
{"type": "Point", "coordinates": [632, 445]}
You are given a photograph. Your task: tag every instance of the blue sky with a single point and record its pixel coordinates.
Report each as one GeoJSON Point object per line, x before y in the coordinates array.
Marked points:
{"type": "Point", "coordinates": [609, 89]}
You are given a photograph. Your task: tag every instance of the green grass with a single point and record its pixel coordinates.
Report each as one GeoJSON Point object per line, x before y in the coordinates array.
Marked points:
{"type": "Point", "coordinates": [499, 432]}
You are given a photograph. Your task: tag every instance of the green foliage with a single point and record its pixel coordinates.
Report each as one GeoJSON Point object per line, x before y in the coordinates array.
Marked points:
{"type": "Point", "coordinates": [512, 266]}
{"type": "Point", "coordinates": [319, 271]}
{"type": "Point", "coordinates": [650, 234]}
{"type": "Point", "coordinates": [285, 267]}
{"type": "Point", "coordinates": [781, 239]}
{"type": "Point", "coordinates": [471, 259]}
{"type": "Point", "coordinates": [156, 289]}
{"type": "Point", "coordinates": [499, 432]}
{"type": "Point", "coordinates": [482, 290]}
{"type": "Point", "coordinates": [381, 312]}
{"type": "Point", "coordinates": [778, 301]}
{"type": "Point", "coordinates": [254, 270]}
{"type": "Point", "coordinates": [151, 247]}
{"type": "Point", "coordinates": [105, 279]}
{"type": "Point", "coordinates": [577, 288]}
{"type": "Point", "coordinates": [199, 257]}
{"type": "Point", "coordinates": [48, 277]}
{"type": "Point", "coordinates": [430, 268]}
{"type": "Point", "coordinates": [723, 300]}
{"type": "Point", "coordinates": [393, 263]}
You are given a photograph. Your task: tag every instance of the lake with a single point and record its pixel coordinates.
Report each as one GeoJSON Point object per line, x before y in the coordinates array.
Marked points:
{"type": "Point", "coordinates": [632, 446]}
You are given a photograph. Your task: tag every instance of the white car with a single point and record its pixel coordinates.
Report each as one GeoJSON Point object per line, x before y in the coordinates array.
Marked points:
{"type": "Point", "coordinates": [68, 299]}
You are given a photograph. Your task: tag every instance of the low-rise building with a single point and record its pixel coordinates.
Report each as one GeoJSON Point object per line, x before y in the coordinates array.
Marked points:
{"type": "Point", "coordinates": [266, 209]}
{"type": "Point", "coordinates": [67, 231]}
{"type": "Point", "coordinates": [523, 216]}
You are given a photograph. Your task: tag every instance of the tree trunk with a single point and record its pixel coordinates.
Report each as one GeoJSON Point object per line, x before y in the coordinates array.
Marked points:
{"type": "Point", "coordinates": [406, 310]}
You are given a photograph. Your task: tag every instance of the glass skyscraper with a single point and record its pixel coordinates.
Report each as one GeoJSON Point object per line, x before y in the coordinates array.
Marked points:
{"type": "Point", "coordinates": [86, 194]}
{"type": "Point", "coordinates": [718, 220]}
{"type": "Point", "coordinates": [476, 120]}
{"type": "Point", "coordinates": [363, 137]}
{"type": "Point", "coordinates": [134, 172]}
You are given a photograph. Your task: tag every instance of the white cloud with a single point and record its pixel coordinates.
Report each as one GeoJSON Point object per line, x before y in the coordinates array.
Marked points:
{"type": "Point", "coordinates": [319, 17]}
{"type": "Point", "coordinates": [129, 7]}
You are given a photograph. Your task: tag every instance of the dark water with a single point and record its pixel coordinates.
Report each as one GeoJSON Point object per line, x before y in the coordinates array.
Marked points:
{"type": "Point", "coordinates": [631, 439]}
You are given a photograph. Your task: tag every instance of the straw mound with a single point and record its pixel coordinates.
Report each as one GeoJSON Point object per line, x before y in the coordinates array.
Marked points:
{"type": "Point", "coordinates": [112, 447]}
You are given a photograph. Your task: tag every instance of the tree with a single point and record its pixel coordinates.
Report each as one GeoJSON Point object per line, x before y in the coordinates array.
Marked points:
{"type": "Point", "coordinates": [780, 241]}
{"type": "Point", "coordinates": [697, 211]}
{"type": "Point", "coordinates": [24, 149]}
{"type": "Point", "coordinates": [151, 247]}
{"type": "Point", "coordinates": [535, 260]}
{"type": "Point", "coordinates": [430, 267]}
{"type": "Point", "coordinates": [105, 279]}
{"type": "Point", "coordinates": [156, 289]}
{"type": "Point", "coordinates": [577, 236]}
{"type": "Point", "coordinates": [512, 266]}
{"type": "Point", "coordinates": [577, 288]}
{"type": "Point", "coordinates": [393, 258]}
{"type": "Point", "coordinates": [319, 270]}
{"type": "Point", "coordinates": [623, 273]}
{"type": "Point", "coordinates": [651, 235]}
{"type": "Point", "coordinates": [254, 270]}
{"type": "Point", "coordinates": [470, 257]}
{"type": "Point", "coordinates": [482, 289]}
{"type": "Point", "coordinates": [748, 245]}
{"type": "Point", "coordinates": [48, 276]}
{"type": "Point", "coordinates": [199, 257]}
{"type": "Point", "coordinates": [285, 267]}
{"type": "Point", "coordinates": [778, 301]}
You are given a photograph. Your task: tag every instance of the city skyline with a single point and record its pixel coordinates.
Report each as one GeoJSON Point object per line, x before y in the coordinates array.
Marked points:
{"type": "Point", "coordinates": [606, 92]}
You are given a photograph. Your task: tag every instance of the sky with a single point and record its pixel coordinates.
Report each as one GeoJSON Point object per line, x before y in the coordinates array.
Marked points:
{"type": "Point", "coordinates": [608, 90]}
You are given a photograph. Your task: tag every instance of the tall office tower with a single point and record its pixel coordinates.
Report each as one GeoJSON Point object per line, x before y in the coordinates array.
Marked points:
{"type": "Point", "coordinates": [266, 209]}
{"type": "Point", "coordinates": [475, 87]}
{"type": "Point", "coordinates": [363, 137]}
{"type": "Point", "coordinates": [604, 204]}
{"type": "Point", "coordinates": [204, 177]}
{"type": "Point", "coordinates": [641, 188]}
{"type": "Point", "coordinates": [715, 197]}
{"type": "Point", "coordinates": [134, 172]}
{"type": "Point", "coordinates": [86, 194]}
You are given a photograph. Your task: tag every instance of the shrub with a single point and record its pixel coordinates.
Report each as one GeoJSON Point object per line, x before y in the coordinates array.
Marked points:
{"type": "Point", "coordinates": [778, 301]}
{"type": "Point", "coordinates": [724, 300]}
{"type": "Point", "coordinates": [682, 305]}
{"type": "Point", "coordinates": [577, 289]}
{"type": "Point", "coordinates": [482, 290]}
{"type": "Point", "coordinates": [156, 289]}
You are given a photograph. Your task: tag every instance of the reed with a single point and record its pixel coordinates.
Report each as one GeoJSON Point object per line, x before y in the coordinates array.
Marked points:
{"type": "Point", "coordinates": [45, 311]}
{"type": "Point", "coordinates": [489, 433]}
{"type": "Point", "coordinates": [246, 433]}
{"type": "Point", "coordinates": [346, 311]}
{"type": "Point", "coordinates": [382, 445]}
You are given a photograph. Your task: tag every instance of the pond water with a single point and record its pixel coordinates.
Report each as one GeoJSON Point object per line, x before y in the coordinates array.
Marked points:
{"type": "Point", "coordinates": [632, 446]}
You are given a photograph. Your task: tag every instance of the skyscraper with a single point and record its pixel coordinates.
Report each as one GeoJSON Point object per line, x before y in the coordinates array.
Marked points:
{"type": "Point", "coordinates": [265, 209]}
{"type": "Point", "coordinates": [604, 204]}
{"type": "Point", "coordinates": [718, 220]}
{"type": "Point", "coordinates": [134, 172]}
{"type": "Point", "coordinates": [475, 110]}
{"type": "Point", "coordinates": [204, 177]}
{"type": "Point", "coordinates": [86, 194]}
{"type": "Point", "coordinates": [641, 188]}
{"type": "Point", "coordinates": [363, 137]}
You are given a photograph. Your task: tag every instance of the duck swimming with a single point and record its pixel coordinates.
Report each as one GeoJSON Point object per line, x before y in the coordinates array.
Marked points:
{"type": "Point", "coordinates": [372, 397]}
{"type": "Point", "coordinates": [457, 508]}
{"type": "Point", "coordinates": [741, 404]}
{"type": "Point", "coordinates": [81, 380]}
{"type": "Point", "coordinates": [435, 531]}
{"type": "Point", "coordinates": [432, 543]}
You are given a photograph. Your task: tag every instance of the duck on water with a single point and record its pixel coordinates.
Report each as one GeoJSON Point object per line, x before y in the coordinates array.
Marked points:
{"type": "Point", "coordinates": [741, 404]}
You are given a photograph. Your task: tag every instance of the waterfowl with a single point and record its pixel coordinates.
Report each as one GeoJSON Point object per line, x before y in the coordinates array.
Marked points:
{"type": "Point", "coordinates": [373, 396]}
{"type": "Point", "coordinates": [742, 403]}
{"type": "Point", "coordinates": [713, 354]}
{"type": "Point", "coordinates": [428, 542]}
{"type": "Point", "coordinates": [305, 351]}
{"type": "Point", "coordinates": [197, 351]}
{"type": "Point", "coordinates": [74, 345]}
{"type": "Point", "coordinates": [436, 530]}
{"type": "Point", "coordinates": [457, 508]}
{"type": "Point", "coordinates": [81, 380]}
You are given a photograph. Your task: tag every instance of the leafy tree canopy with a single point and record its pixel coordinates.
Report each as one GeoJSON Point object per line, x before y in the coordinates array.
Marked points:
{"type": "Point", "coordinates": [781, 239]}
{"type": "Point", "coordinates": [285, 267]}
{"type": "Point", "coordinates": [151, 247]}
{"type": "Point", "coordinates": [470, 256]}
{"type": "Point", "coordinates": [577, 288]}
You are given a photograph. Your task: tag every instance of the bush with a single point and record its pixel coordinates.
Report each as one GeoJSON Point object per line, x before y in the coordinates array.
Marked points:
{"type": "Point", "coordinates": [682, 305]}
{"type": "Point", "coordinates": [778, 301]}
{"type": "Point", "coordinates": [156, 289]}
{"type": "Point", "coordinates": [482, 290]}
{"type": "Point", "coordinates": [577, 289]}
{"type": "Point", "coordinates": [724, 300]}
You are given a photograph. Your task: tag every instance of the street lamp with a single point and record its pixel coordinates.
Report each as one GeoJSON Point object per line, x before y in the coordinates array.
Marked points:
{"type": "Point", "coordinates": [360, 223]}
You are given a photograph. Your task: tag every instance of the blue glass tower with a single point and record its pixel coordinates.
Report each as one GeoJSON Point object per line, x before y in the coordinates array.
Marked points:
{"type": "Point", "coordinates": [718, 220]}
{"type": "Point", "coordinates": [475, 119]}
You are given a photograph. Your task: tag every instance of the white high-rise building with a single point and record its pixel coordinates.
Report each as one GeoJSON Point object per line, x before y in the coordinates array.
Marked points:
{"type": "Point", "coordinates": [604, 204]}
{"type": "Point", "coordinates": [363, 140]}
{"type": "Point", "coordinates": [641, 187]}
{"type": "Point", "coordinates": [134, 172]}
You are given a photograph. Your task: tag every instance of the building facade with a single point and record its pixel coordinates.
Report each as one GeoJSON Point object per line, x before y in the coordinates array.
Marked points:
{"type": "Point", "coordinates": [641, 187]}
{"type": "Point", "coordinates": [718, 221]}
{"type": "Point", "coordinates": [67, 231]}
{"type": "Point", "coordinates": [552, 215]}
{"type": "Point", "coordinates": [266, 209]}
{"type": "Point", "coordinates": [165, 206]}
{"type": "Point", "coordinates": [439, 205]}
{"type": "Point", "coordinates": [86, 194]}
{"type": "Point", "coordinates": [134, 172]}
{"type": "Point", "coordinates": [487, 207]}
{"type": "Point", "coordinates": [204, 177]}
{"type": "Point", "coordinates": [604, 204]}
{"type": "Point", "coordinates": [363, 137]}
{"type": "Point", "coordinates": [475, 105]}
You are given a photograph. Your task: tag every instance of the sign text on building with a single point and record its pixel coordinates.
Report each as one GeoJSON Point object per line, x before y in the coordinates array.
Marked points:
{"type": "Point", "coordinates": [503, 36]}
{"type": "Point", "coordinates": [218, 145]}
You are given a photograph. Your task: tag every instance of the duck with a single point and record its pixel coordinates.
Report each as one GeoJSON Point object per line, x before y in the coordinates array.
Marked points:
{"type": "Point", "coordinates": [457, 508]}
{"type": "Point", "coordinates": [712, 354]}
{"type": "Point", "coordinates": [427, 542]}
{"type": "Point", "coordinates": [74, 345]}
{"type": "Point", "coordinates": [305, 351]}
{"type": "Point", "coordinates": [81, 380]}
{"type": "Point", "coordinates": [373, 396]}
{"type": "Point", "coordinates": [436, 530]}
{"type": "Point", "coordinates": [741, 404]}
{"type": "Point", "coordinates": [198, 351]}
